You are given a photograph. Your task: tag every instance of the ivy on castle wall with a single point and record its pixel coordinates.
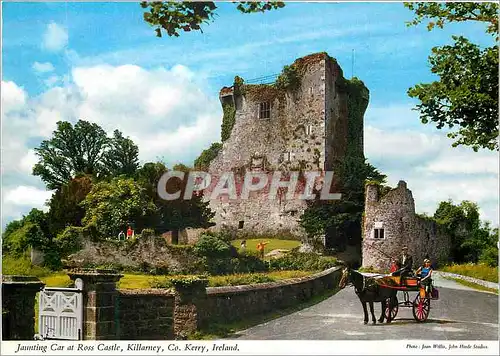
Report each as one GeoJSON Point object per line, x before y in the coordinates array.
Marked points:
{"type": "Point", "coordinates": [207, 156]}
{"type": "Point", "coordinates": [289, 79]}
{"type": "Point", "coordinates": [228, 120]}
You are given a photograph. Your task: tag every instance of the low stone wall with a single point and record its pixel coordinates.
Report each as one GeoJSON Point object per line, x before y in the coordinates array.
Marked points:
{"type": "Point", "coordinates": [156, 314]}
{"type": "Point", "coordinates": [145, 314]}
{"type": "Point", "coordinates": [226, 304]}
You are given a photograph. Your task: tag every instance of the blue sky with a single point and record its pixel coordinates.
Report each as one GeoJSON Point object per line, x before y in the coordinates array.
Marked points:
{"type": "Point", "coordinates": [101, 62]}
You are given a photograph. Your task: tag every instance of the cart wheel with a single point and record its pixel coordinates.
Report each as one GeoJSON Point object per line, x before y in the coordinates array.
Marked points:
{"type": "Point", "coordinates": [421, 308]}
{"type": "Point", "coordinates": [391, 304]}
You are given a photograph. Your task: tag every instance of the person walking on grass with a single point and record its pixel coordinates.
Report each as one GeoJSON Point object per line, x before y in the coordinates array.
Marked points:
{"type": "Point", "coordinates": [261, 247]}
{"type": "Point", "coordinates": [243, 246]}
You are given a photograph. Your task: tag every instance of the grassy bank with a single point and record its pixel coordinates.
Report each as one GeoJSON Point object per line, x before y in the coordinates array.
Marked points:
{"type": "Point", "coordinates": [274, 244]}
{"type": "Point", "coordinates": [479, 271]}
{"type": "Point", "coordinates": [142, 281]}
{"type": "Point", "coordinates": [473, 285]}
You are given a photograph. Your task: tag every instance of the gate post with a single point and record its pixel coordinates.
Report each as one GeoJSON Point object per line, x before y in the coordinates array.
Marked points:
{"type": "Point", "coordinates": [99, 302]}
{"type": "Point", "coordinates": [18, 306]}
{"type": "Point", "coordinates": [189, 306]}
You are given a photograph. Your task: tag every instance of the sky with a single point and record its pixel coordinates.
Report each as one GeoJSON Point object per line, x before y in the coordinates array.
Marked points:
{"type": "Point", "coordinates": [101, 62]}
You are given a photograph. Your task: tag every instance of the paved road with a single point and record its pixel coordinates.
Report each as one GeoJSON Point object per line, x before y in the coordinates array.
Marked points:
{"type": "Point", "coordinates": [460, 314]}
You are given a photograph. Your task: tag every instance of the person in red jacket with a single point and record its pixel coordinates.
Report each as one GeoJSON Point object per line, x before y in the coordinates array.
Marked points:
{"type": "Point", "coordinates": [130, 233]}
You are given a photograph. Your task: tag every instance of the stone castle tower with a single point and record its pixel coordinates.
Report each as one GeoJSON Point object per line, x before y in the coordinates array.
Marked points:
{"type": "Point", "coordinates": [390, 222]}
{"type": "Point", "coordinates": [303, 127]}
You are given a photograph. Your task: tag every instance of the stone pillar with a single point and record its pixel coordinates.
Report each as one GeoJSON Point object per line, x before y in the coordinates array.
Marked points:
{"type": "Point", "coordinates": [190, 306]}
{"type": "Point", "coordinates": [99, 302]}
{"type": "Point", "coordinates": [18, 306]}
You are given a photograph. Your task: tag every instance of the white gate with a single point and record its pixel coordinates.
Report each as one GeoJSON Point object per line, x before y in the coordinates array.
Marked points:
{"type": "Point", "coordinates": [61, 313]}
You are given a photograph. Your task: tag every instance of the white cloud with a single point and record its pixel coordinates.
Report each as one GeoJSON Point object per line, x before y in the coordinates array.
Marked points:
{"type": "Point", "coordinates": [43, 67]}
{"type": "Point", "coordinates": [13, 97]}
{"type": "Point", "coordinates": [28, 161]}
{"type": "Point", "coordinates": [55, 37]}
{"type": "Point", "coordinates": [52, 81]}
{"type": "Point", "coordinates": [434, 171]}
{"type": "Point", "coordinates": [27, 196]}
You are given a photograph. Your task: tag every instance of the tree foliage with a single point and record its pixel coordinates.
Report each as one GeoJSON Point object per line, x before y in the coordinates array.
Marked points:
{"type": "Point", "coordinates": [122, 158]}
{"type": "Point", "coordinates": [83, 149]}
{"type": "Point", "coordinates": [465, 99]}
{"type": "Point", "coordinates": [65, 204]}
{"type": "Point", "coordinates": [30, 231]}
{"type": "Point", "coordinates": [341, 219]}
{"type": "Point", "coordinates": [173, 16]}
{"type": "Point", "coordinates": [173, 215]}
{"type": "Point", "coordinates": [112, 206]}
{"type": "Point", "coordinates": [470, 238]}
{"type": "Point", "coordinates": [207, 156]}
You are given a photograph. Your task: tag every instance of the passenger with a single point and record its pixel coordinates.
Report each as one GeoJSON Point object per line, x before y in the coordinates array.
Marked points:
{"type": "Point", "coordinates": [425, 275]}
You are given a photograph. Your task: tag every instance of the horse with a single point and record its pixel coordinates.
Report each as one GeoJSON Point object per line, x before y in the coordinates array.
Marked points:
{"type": "Point", "coordinates": [369, 291]}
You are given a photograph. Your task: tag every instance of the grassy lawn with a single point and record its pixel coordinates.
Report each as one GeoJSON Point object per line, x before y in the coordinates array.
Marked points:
{"type": "Point", "coordinates": [273, 244]}
{"type": "Point", "coordinates": [479, 271]}
{"type": "Point", "coordinates": [473, 285]}
{"type": "Point", "coordinates": [142, 281]}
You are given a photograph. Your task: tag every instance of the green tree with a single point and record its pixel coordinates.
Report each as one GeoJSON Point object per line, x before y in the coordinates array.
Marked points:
{"type": "Point", "coordinates": [123, 156]}
{"type": "Point", "coordinates": [465, 99]}
{"type": "Point", "coordinates": [470, 237]}
{"type": "Point", "coordinates": [112, 206]}
{"type": "Point", "coordinates": [72, 150]}
{"type": "Point", "coordinates": [341, 219]}
{"type": "Point", "coordinates": [30, 231]}
{"type": "Point", "coordinates": [83, 149]}
{"type": "Point", "coordinates": [173, 215]}
{"type": "Point", "coordinates": [207, 156]}
{"type": "Point", "coordinates": [173, 16]}
{"type": "Point", "coordinates": [65, 204]}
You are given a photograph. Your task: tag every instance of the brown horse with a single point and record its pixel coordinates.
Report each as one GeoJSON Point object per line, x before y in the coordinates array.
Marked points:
{"type": "Point", "coordinates": [368, 291]}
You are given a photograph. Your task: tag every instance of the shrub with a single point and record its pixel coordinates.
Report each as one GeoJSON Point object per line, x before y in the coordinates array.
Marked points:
{"type": "Point", "coordinates": [302, 261]}
{"type": "Point", "coordinates": [489, 256]}
{"type": "Point", "coordinates": [212, 247]}
{"type": "Point", "coordinates": [479, 271]}
{"type": "Point", "coordinates": [237, 280]}
{"type": "Point", "coordinates": [147, 232]}
{"type": "Point", "coordinates": [15, 265]}
{"type": "Point", "coordinates": [70, 240]}
{"type": "Point", "coordinates": [248, 263]}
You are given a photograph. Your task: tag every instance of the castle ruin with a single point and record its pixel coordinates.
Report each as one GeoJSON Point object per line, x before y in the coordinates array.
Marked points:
{"type": "Point", "coordinates": [390, 222]}
{"type": "Point", "coordinates": [308, 124]}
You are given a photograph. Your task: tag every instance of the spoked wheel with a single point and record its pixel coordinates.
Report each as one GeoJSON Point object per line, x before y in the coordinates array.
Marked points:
{"type": "Point", "coordinates": [421, 308]}
{"type": "Point", "coordinates": [391, 308]}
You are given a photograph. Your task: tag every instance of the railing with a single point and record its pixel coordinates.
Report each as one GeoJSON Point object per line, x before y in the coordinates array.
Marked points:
{"type": "Point", "coordinates": [268, 79]}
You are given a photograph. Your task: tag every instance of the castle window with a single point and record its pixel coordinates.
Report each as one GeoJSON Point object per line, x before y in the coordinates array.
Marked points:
{"type": "Point", "coordinates": [265, 110]}
{"type": "Point", "coordinates": [308, 129]}
{"type": "Point", "coordinates": [240, 224]}
{"type": "Point", "coordinates": [378, 233]}
{"type": "Point", "coordinates": [311, 90]}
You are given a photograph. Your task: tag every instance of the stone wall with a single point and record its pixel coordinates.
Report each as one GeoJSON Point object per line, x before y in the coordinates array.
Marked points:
{"type": "Point", "coordinates": [143, 252]}
{"type": "Point", "coordinates": [157, 314]}
{"type": "Point", "coordinates": [145, 314]}
{"type": "Point", "coordinates": [395, 214]}
{"type": "Point", "coordinates": [226, 304]}
{"type": "Point", "coordinates": [188, 236]}
{"type": "Point", "coordinates": [18, 306]}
